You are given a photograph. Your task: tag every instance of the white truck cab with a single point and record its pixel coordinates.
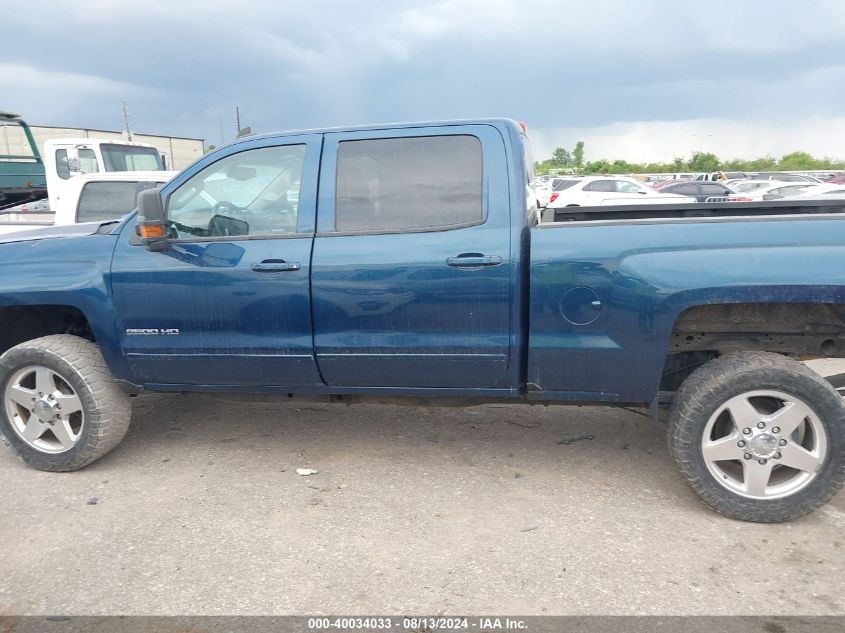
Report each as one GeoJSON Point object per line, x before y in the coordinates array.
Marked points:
{"type": "Point", "coordinates": [65, 158]}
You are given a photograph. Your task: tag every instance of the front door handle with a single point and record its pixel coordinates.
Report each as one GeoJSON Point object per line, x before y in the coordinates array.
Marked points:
{"type": "Point", "coordinates": [275, 266]}
{"type": "Point", "coordinates": [473, 260]}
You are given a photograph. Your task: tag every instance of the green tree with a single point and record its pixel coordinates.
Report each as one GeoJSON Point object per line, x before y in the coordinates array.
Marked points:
{"type": "Point", "coordinates": [573, 161]}
{"type": "Point", "coordinates": [600, 166]}
{"type": "Point", "coordinates": [760, 164]}
{"type": "Point", "coordinates": [578, 155]}
{"type": "Point", "coordinates": [704, 161]}
{"type": "Point", "coordinates": [562, 158]}
{"type": "Point", "coordinates": [620, 166]}
{"type": "Point", "coordinates": [799, 160]}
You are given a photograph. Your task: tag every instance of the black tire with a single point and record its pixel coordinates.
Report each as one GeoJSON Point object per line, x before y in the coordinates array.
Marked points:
{"type": "Point", "coordinates": [709, 388]}
{"type": "Point", "coordinates": [106, 407]}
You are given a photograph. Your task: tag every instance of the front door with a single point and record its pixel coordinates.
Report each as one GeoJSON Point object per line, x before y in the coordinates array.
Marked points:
{"type": "Point", "coordinates": [227, 302]}
{"type": "Point", "coordinates": [412, 269]}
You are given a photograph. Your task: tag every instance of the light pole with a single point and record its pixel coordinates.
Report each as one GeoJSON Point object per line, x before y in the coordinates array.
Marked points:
{"type": "Point", "coordinates": [701, 138]}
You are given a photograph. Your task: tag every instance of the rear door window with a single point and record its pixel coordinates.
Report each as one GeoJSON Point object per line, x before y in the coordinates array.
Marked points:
{"type": "Point", "coordinates": [560, 184]}
{"type": "Point", "coordinates": [104, 201]}
{"type": "Point", "coordinates": [607, 186]}
{"type": "Point", "coordinates": [684, 190]}
{"type": "Point", "coordinates": [623, 186]}
{"type": "Point", "coordinates": [713, 189]}
{"type": "Point", "coordinates": [416, 183]}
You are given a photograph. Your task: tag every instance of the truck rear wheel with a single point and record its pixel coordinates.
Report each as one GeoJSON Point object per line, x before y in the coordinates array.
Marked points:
{"type": "Point", "coordinates": [61, 410]}
{"type": "Point", "coordinates": [759, 437]}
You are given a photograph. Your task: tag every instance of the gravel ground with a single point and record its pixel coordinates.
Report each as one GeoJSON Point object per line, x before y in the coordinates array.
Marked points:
{"type": "Point", "coordinates": [413, 510]}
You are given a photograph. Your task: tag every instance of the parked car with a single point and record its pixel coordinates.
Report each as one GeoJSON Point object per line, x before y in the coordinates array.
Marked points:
{"type": "Point", "coordinates": [836, 179]}
{"type": "Point", "coordinates": [655, 178]}
{"type": "Point", "coordinates": [700, 190]}
{"type": "Point", "coordinates": [824, 189]}
{"type": "Point", "coordinates": [784, 177]}
{"type": "Point", "coordinates": [411, 269]}
{"type": "Point", "coordinates": [604, 190]}
{"type": "Point", "coordinates": [744, 186]}
{"type": "Point", "coordinates": [776, 189]}
{"type": "Point", "coordinates": [542, 192]}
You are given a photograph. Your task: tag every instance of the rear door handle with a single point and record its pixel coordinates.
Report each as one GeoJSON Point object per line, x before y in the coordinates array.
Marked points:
{"type": "Point", "coordinates": [275, 266]}
{"type": "Point", "coordinates": [473, 260]}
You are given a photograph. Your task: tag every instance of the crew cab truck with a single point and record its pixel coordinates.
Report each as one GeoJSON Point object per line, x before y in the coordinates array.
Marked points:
{"type": "Point", "coordinates": [404, 262]}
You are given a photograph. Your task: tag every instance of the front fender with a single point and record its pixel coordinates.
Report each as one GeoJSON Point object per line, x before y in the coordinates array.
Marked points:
{"type": "Point", "coordinates": [66, 272]}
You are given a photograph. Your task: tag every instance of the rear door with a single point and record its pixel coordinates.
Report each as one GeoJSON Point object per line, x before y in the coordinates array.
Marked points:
{"type": "Point", "coordinates": [412, 269]}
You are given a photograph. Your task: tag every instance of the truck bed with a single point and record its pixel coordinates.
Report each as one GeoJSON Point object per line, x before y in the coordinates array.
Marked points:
{"type": "Point", "coordinates": [606, 293]}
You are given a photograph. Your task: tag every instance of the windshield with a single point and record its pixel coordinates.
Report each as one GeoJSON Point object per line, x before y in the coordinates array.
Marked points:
{"type": "Point", "coordinates": [131, 158]}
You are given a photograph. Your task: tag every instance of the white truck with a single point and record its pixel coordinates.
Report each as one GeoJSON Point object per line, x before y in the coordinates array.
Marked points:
{"type": "Point", "coordinates": [66, 158]}
{"type": "Point", "coordinates": [96, 197]}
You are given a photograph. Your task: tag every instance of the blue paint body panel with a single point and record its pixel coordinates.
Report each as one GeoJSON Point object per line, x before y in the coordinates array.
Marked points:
{"type": "Point", "coordinates": [401, 317]}
{"type": "Point", "coordinates": [579, 311]}
{"type": "Point", "coordinates": [236, 326]}
{"type": "Point", "coordinates": [646, 274]}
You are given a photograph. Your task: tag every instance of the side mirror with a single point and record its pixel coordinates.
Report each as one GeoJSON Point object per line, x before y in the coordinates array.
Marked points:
{"type": "Point", "coordinates": [151, 218]}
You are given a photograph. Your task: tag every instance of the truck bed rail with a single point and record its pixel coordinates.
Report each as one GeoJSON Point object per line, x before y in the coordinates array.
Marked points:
{"type": "Point", "coordinates": [694, 210]}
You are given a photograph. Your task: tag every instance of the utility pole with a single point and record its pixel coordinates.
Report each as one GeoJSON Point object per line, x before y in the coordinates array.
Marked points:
{"type": "Point", "coordinates": [126, 129]}
{"type": "Point", "coordinates": [701, 138]}
{"type": "Point", "coordinates": [237, 121]}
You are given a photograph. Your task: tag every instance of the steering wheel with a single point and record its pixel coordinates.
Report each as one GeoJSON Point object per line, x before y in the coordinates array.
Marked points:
{"type": "Point", "coordinates": [224, 207]}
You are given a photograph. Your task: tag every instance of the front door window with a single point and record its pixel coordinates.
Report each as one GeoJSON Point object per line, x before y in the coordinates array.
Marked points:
{"type": "Point", "coordinates": [251, 193]}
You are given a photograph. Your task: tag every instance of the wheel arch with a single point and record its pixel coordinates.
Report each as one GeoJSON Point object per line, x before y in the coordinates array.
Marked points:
{"type": "Point", "coordinates": [21, 323]}
{"type": "Point", "coordinates": [784, 323]}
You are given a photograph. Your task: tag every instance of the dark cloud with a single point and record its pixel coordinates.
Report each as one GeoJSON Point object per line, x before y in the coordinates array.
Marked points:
{"type": "Point", "coordinates": [183, 66]}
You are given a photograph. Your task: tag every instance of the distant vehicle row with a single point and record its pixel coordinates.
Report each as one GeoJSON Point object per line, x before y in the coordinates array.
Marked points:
{"type": "Point", "coordinates": [575, 191]}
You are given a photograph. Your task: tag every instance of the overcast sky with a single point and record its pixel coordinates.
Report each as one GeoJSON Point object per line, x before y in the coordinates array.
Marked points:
{"type": "Point", "coordinates": [640, 80]}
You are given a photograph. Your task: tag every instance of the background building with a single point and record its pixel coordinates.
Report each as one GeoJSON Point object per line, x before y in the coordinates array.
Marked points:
{"type": "Point", "coordinates": [179, 151]}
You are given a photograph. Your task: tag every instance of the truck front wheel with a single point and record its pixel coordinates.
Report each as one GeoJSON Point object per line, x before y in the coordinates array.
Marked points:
{"type": "Point", "coordinates": [759, 437]}
{"type": "Point", "coordinates": [61, 410]}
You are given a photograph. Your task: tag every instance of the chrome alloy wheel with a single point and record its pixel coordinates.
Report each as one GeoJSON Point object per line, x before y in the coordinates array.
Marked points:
{"type": "Point", "coordinates": [43, 409]}
{"type": "Point", "coordinates": [764, 444]}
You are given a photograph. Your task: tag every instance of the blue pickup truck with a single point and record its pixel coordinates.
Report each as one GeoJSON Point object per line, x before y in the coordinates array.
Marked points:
{"type": "Point", "coordinates": [407, 262]}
